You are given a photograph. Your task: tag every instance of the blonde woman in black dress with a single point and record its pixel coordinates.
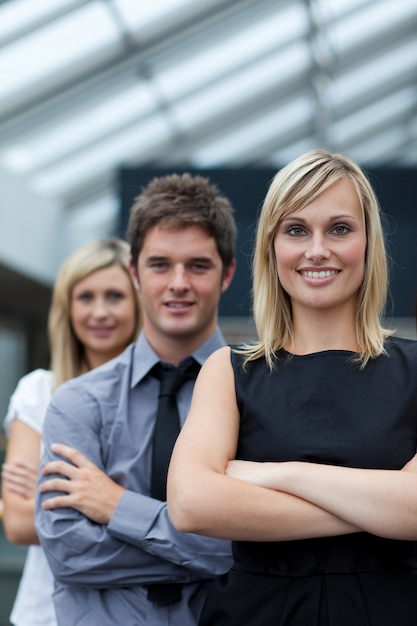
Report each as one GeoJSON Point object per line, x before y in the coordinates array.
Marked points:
{"type": "Point", "coordinates": [300, 448]}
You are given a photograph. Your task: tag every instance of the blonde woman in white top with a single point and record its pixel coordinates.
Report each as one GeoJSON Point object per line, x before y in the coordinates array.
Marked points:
{"type": "Point", "coordinates": [95, 314]}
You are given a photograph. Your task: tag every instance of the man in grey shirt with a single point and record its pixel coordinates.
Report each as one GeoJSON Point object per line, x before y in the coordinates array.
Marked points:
{"type": "Point", "coordinates": [114, 553]}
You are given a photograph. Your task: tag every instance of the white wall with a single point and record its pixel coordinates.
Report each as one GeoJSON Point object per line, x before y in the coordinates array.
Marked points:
{"type": "Point", "coordinates": [31, 230]}
{"type": "Point", "coordinates": [36, 234]}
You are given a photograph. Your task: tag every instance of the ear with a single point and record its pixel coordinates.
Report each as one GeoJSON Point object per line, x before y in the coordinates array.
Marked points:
{"type": "Point", "coordinates": [134, 274]}
{"type": "Point", "coordinates": [229, 272]}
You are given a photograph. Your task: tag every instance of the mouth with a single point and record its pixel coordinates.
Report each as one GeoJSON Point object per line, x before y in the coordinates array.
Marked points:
{"type": "Point", "coordinates": [101, 331]}
{"type": "Point", "coordinates": [318, 273]}
{"type": "Point", "coordinates": [178, 305]}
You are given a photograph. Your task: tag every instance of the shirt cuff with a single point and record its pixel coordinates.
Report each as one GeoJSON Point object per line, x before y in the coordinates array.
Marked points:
{"type": "Point", "coordinates": [134, 516]}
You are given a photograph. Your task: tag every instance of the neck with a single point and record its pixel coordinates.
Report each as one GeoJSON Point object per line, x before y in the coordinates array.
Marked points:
{"type": "Point", "coordinates": [323, 330]}
{"type": "Point", "coordinates": [94, 359]}
{"type": "Point", "coordinates": [174, 349]}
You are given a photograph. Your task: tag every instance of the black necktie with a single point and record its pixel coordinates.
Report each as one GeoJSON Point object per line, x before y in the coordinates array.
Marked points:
{"type": "Point", "coordinates": [167, 427]}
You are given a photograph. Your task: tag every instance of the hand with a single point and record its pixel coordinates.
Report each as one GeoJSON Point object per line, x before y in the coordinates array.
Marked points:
{"type": "Point", "coordinates": [21, 477]}
{"type": "Point", "coordinates": [88, 490]}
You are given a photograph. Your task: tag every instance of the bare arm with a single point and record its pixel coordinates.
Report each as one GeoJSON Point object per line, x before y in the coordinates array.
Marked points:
{"type": "Point", "coordinates": [203, 499]}
{"type": "Point", "coordinates": [85, 487]}
{"type": "Point", "coordinates": [382, 502]}
{"type": "Point", "coordinates": [19, 482]}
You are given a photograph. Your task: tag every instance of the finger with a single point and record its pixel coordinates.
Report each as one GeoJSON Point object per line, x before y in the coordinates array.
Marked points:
{"type": "Point", "coordinates": [22, 490]}
{"type": "Point", "coordinates": [59, 467]}
{"type": "Point", "coordinates": [73, 455]}
{"type": "Point", "coordinates": [57, 502]}
{"type": "Point", "coordinates": [14, 478]}
{"type": "Point", "coordinates": [56, 484]}
{"type": "Point", "coordinates": [14, 469]}
{"type": "Point", "coordinates": [22, 463]}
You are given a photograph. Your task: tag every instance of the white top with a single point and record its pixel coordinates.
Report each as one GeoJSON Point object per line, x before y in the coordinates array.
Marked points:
{"type": "Point", "coordinates": [33, 605]}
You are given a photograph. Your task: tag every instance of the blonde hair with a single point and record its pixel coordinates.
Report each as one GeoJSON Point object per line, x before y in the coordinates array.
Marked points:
{"type": "Point", "coordinates": [67, 352]}
{"type": "Point", "coordinates": [293, 188]}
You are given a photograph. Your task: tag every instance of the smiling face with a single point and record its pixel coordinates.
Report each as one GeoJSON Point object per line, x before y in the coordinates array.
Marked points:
{"type": "Point", "coordinates": [180, 277]}
{"type": "Point", "coordinates": [320, 251]}
{"type": "Point", "coordinates": [103, 313]}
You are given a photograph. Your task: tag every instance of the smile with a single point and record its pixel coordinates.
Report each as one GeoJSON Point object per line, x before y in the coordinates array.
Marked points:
{"type": "Point", "coordinates": [321, 274]}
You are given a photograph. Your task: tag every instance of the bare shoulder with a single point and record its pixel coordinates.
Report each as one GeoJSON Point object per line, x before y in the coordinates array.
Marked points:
{"type": "Point", "coordinates": [217, 364]}
{"type": "Point", "coordinates": [221, 355]}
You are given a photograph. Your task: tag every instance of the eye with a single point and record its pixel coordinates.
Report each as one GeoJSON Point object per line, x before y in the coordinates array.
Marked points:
{"type": "Point", "coordinates": [296, 231]}
{"type": "Point", "coordinates": [158, 265]}
{"type": "Point", "coordinates": [340, 229]}
{"type": "Point", "coordinates": [199, 267]}
{"type": "Point", "coordinates": [115, 296]}
{"type": "Point", "coordinates": [85, 296]}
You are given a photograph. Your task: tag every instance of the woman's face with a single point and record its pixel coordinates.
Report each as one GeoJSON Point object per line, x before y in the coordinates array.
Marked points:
{"type": "Point", "coordinates": [103, 313]}
{"type": "Point", "coordinates": [320, 250]}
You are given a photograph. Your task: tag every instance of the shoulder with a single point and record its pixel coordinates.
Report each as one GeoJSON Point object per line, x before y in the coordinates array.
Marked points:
{"type": "Point", "coordinates": [31, 398]}
{"type": "Point", "coordinates": [221, 356]}
{"type": "Point", "coordinates": [97, 386]}
{"type": "Point", "coordinates": [399, 347]}
{"type": "Point", "coordinates": [36, 379]}
{"type": "Point", "coordinates": [241, 364]}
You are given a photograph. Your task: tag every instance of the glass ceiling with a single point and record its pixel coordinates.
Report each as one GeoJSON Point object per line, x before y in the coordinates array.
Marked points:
{"type": "Point", "coordinates": [90, 85]}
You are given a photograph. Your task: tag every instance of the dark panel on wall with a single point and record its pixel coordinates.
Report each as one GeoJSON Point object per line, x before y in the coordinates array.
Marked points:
{"type": "Point", "coordinates": [397, 193]}
{"type": "Point", "coordinates": [246, 188]}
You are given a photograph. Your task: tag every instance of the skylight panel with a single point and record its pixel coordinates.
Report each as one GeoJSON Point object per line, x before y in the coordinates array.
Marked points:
{"type": "Point", "coordinates": [56, 47]}
{"type": "Point", "coordinates": [103, 156]}
{"type": "Point", "coordinates": [371, 74]}
{"type": "Point", "coordinates": [374, 115]}
{"type": "Point", "coordinates": [286, 154]}
{"type": "Point", "coordinates": [19, 14]}
{"type": "Point", "coordinates": [142, 14]}
{"type": "Point", "coordinates": [80, 130]}
{"type": "Point", "coordinates": [338, 7]}
{"type": "Point", "coordinates": [374, 149]}
{"type": "Point", "coordinates": [377, 16]}
{"type": "Point", "coordinates": [234, 51]}
{"type": "Point", "coordinates": [233, 90]}
{"type": "Point", "coordinates": [255, 133]}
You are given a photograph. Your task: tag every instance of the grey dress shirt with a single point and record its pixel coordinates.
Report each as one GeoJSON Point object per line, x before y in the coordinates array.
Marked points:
{"type": "Point", "coordinates": [101, 571]}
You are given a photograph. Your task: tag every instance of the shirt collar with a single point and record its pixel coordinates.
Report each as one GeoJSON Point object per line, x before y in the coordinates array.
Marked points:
{"type": "Point", "coordinates": [144, 357]}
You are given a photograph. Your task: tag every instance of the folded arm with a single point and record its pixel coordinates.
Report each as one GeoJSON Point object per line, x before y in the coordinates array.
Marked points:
{"type": "Point", "coordinates": [19, 476]}
{"type": "Point", "coordinates": [83, 487]}
{"type": "Point", "coordinates": [381, 502]}
{"type": "Point", "coordinates": [81, 551]}
{"type": "Point", "coordinates": [203, 499]}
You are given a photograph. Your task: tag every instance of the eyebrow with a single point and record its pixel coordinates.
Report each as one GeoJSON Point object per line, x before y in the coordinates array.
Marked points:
{"type": "Point", "coordinates": [194, 259]}
{"type": "Point", "coordinates": [292, 217]}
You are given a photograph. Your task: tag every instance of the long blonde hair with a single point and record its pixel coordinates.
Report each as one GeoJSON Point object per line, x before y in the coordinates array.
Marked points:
{"type": "Point", "coordinates": [293, 188]}
{"type": "Point", "coordinates": [67, 352]}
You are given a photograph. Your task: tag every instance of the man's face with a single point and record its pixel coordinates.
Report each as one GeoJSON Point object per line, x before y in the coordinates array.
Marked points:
{"type": "Point", "coordinates": [180, 278]}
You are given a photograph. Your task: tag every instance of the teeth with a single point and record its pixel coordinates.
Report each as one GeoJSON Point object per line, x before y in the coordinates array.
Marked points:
{"type": "Point", "coordinates": [322, 274]}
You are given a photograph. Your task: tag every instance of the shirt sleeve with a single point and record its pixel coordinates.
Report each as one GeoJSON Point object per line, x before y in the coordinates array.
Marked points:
{"type": "Point", "coordinates": [30, 400]}
{"type": "Point", "coordinates": [154, 532]}
{"type": "Point", "coordinates": [81, 552]}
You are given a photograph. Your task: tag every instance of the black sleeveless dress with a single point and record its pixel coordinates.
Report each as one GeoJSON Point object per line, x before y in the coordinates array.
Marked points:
{"type": "Point", "coordinates": [323, 408]}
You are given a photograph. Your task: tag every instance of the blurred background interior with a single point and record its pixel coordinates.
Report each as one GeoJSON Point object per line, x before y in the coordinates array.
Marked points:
{"type": "Point", "coordinates": [98, 96]}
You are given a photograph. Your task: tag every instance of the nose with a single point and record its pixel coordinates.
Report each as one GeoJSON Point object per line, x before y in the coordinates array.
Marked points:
{"type": "Point", "coordinates": [317, 248]}
{"type": "Point", "coordinates": [179, 279]}
{"type": "Point", "coordinates": [100, 308]}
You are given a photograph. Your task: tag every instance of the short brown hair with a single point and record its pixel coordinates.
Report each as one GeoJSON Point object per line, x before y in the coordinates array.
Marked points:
{"type": "Point", "coordinates": [179, 201]}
